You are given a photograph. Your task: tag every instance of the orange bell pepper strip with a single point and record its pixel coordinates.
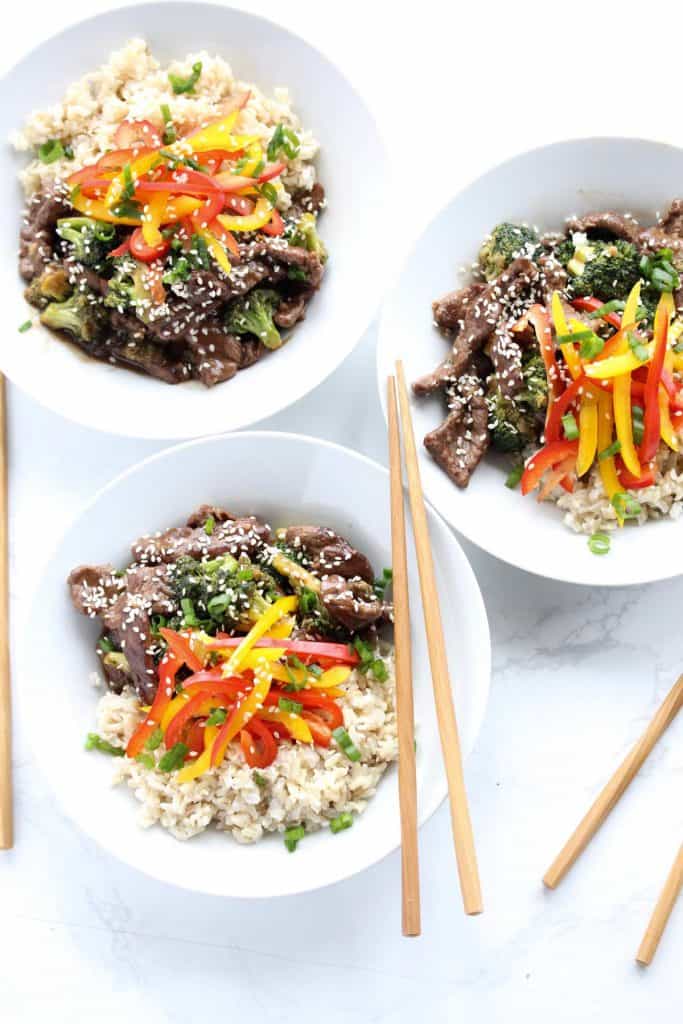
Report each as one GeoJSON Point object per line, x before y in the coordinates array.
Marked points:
{"type": "Point", "coordinates": [168, 666]}
{"type": "Point", "coordinates": [179, 643]}
{"type": "Point", "coordinates": [540, 321]}
{"type": "Point", "coordinates": [242, 713]}
{"type": "Point", "coordinates": [621, 395]}
{"type": "Point", "coordinates": [606, 466]}
{"type": "Point", "coordinates": [558, 476]}
{"type": "Point", "coordinates": [547, 458]}
{"type": "Point", "coordinates": [588, 434]}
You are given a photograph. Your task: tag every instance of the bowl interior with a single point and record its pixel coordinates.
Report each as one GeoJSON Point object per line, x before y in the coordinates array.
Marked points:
{"type": "Point", "coordinates": [285, 479]}
{"type": "Point", "coordinates": [541, 187]}
{"type": "Point", "coordinates": [93, 393]}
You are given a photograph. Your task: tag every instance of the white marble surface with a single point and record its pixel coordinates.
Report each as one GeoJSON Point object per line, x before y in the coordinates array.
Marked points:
{"type": "Point", "coordinates": [577, 673]}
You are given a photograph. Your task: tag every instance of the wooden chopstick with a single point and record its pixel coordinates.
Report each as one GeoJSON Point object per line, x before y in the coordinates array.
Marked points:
{"type": "Point", "coordinates": [662, 912]}
{"type": "Point", "coordinates": [6, 812]}
{"type": "Point", "coordinates": [443, 698]}
{"type": "Point", "coordinates": [614, 789]}
{"type": "Point", "coordinates": [407, 784]}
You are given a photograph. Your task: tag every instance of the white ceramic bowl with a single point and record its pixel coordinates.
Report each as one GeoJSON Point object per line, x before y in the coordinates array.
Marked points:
{"type": "Point", "coordinates": [285, 478]}
{"type": "Point", "coordinates": [351, 167]}
{"type": "Point", "coordinates": [542, 187]}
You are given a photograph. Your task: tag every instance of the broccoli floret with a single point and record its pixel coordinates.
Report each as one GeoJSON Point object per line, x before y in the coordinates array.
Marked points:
{"type": "Point", "coordinates": [609, 270]}
{"type": "Point", "coordinates": [127, 289]}
{"type": "Point", "coordinates": [89, 240]}
{"type": "Point", "coordinates": [504, 244]}
{"type": "Point", "coordinates": [305, 234]}
{"type": "Point", "coordinates": [222, 593]}
{"type": "Point", "coordinates": [253, 314]}
{"type": "Point", "coordinates": [535, 393]}
{"type": "Point", "coordinates": [53, 283]}
{"type": "Point", "coordinates": [512, 426]}
{"type": "Point", "coordinates": [81, 316]}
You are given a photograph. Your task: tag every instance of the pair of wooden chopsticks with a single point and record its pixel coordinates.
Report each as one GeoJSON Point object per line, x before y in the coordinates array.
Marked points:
{"type": "Point", "coordinates": [6, 817]}
{"type": "Point", "coordinates": [448, 730]}
{"type": "Point", "coordinates": [601, 808]}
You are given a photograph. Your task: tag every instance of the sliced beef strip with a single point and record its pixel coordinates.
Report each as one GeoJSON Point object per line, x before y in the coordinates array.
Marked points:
{"type": "Point", "coordinates": [93, 588]}
{"type": "Point", "coordinates": [239, 536]}
{"type": "Point", "coordinates": [461, 441]}
{"type": "Point", "coordinates": [252, 351]}
{"type": "Point", "coordinates": [607, 222]}
{"type": "Point", "coordinates": [144, 356]}
{"type": "Point", "coordinates": [327, 552]}
{"type": "Point", "coordinates": [306, 201]}
{"type": "Point", "coordinates": [215, 353]}
{"type": "Point", "coordinates": [117, 678]}
{"type": "Point", "coordinates": [291, 311]}
{"type": "Point", "coordinates": [280, 255]}
{"type": "Point", "coordinates": [484, 310]}
{"type": "Point", "coordinates": [352, 603]}
{"type": "Point", "coordinates": [451, 310]}
{"type": "Point", "coordinates": [148, 592]}
{"type": "Point", "coordinates": [507, 363]}
{"type": "Point", "coordinates": [36, 236]}
{"type": "Point", "coordinates": [206, 291]}
{"type": "Point", "coordinates": [672, 221]}
{"type": "Point", "coordinates": [218, 514]}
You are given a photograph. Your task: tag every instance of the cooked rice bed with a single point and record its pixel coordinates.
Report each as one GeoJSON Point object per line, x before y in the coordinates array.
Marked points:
{"type": "Point", "coordinates": [304, 786]}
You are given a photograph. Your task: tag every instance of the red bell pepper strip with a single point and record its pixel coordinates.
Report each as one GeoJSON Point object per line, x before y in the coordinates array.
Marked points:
{"type": "Point", "coordinates": [321, 733]}
{"type": "Point", "coordinates": [146, 253]}
{"type": "Point", "coordinates": [120, 250]}
{"type": "Point", "coordinates": [258, 744]}
{"type": "Point", "coordinates": [168, 666]}
{"type": "Point", "coordinates": [633, 483]}
{"type": "Point", "coordinates": [180, 645]}
{"type": "Point", "coordinates": [553, 427]}
{"type": "Point", "coordinates": [207, 213]}
{"type": "Point", "coordinates": [275, 226]}
{"type": "Point", "coordinates": [271, 171]}
{"type": "Point", "coordinates": [588, 304]}
{"type": "Point", "coordinates": [652, 419]}
{"type": "Point", "coordinates": [325, 707]}
{"type": "Point", "coordinates": [341, 653]}
{"type": "Point", "coordinates": [223, 688]}
{"type": "Point", "coordinates": [546, 458]}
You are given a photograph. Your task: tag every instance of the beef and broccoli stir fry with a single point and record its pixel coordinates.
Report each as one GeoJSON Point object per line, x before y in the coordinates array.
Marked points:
{"type": "Point", "coordinates": [567, 342]}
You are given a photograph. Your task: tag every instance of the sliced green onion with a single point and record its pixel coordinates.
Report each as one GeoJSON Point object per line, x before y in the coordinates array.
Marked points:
{"type": "Point", "coordinates": [270, 192]}
{"type": "Point", "coordinates": [180, 85]}
{"type": "Point", "coordinates": [173, 758]}
{"type": "Point", "coordinates": [209, 526]}
{"type": "Point", "coordinates": [612, 450]}
{"type": "Point", "coordinates": [147, 760]}
{"type": "Point", "coordinates": [625, 506]}
{"type": "Point", "coordinates": [155, 739]}
{"type": "Point", "coordinates": [259, 779]}
{"type": "Point", "coordinates": [293, 837]}
{"type": "Point", "coordinates": [105, 645]}
{"type": "Point", "coordinates": [586, 335]}
{"type": "Point", "coordinates": [591, 348]}
{"type": "Point", "coordinates": [570, 426]}
{"type": "Point", "coordinates": [379, 670]}
{"type": "Point", "coordinates": [189, 614]}
{"type": "Point", "coordinates": [639, 350]}
{"type": "Point", "coordinates": [599, 543]}
{"type": "Point", "coordinates": [284, 139]}
{"type": "Point", "coordinates": [293, 706]}
{"type": "Point", "coordinates": [26, 326]}
{"type": "Point", "coordinates": [50, 151]}
{"type": "Point", "coordinates": [638, 424]}
{"type": "Point", "coordinates": [613, 306]}
{"type": "Point", "coordinates": [346, 744]}
{"type": "Point", "coordinates": [95, 742]}
{"type": "Point", "coordinates": [170, 134]}
{"type": "Point", "coordinates": [217, 716]}
{"type": "Point", "coordinates": [218, 605]}
{"type": "Point", "coordinates": [514, 476]}
{"type": "Point", "coordinates": [341, 822]}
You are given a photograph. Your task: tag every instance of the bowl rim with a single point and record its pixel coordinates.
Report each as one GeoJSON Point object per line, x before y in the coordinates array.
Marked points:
{"type": "Point", "coordinates": [383, 347]}
{"type": "Point", "coordinates": [481, 693]}
{"type": "Point", "coordinates": [369, 308]}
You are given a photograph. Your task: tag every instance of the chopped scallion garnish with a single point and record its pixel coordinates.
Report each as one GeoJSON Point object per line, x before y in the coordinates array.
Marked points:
{"type": "Point", "coordinates": [26, 326]}
{"type": "Point", "coordinates": [625, 506]}
{"type": "Point", "coordinates": [638, 424]}
{"type": "Point", "coordinates": [614, 306]}
{"type": "Point", "coordinates": [570, 426]}
{"type": "Point", "coordinates": [146, 759]}
{"type": "Point", "coordinates": [610, 452]}
{"type": "Point", "coordinates": [341, 822]}
{"type": "Point", "coordinates": [51, 150]}
{"type": "Point", "coordinates": [284, 139]}
{"type": "Point", "coordinates": [514, 476]}
{"type": "Point", "coordinates": [293, 836]}
{"type": "Point", "coordinates": [599, 543]}
{"type": "Point", "coordinates": [95, 742]}
{"type": "Point", "coordinates": [346, 744]}
{"type": "Point", "coordinates": [170, 134]}
{"type": "Point", "coordinates": [180, 85]}
{"type": "Point", "coordinates": [155, 738]}
{"type": "Point", "coordinates": [173, 758]}
{"type": "Point", "coordinates": [209, 526]}
{"type": "Point", "coordinates": [292, 706]}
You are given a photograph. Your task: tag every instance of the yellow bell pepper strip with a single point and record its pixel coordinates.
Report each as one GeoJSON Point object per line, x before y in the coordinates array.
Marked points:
{"type": "Point", "coordinates": [287, 675]}
{"type": "Point", "coordinates": [152, 218]}
{"type": "Point", "coordinates": [214, 136]}
{"type": "Point", "coordinates": [283, 606]}
{"type": "Point", "coordinates": [666, 427]}
{"type": "Point", "coordinates": [180, 207]}
{"type": "Point", "coordinates": [588, 434]}
{"type": "Point", "coordinates": [192, 769]}
{"type": "Point", "coordinates": [262, 213]}
{"type": "Point", "coordinates": [216, 248]}
{"type": "Point", "coordinates": [567, 349]}
{"type": "Point", "coordinates": [559, 319]}
{"type": "Point", "coordinates": [652, 418]}
{"type": "Point", "coordinates": [100, 211]}
{"type": "Point", "coordinates": [614, 366]}
{"type": "Point", "coordinates": [281, 630]}
{"type": "Point", "coordinates": [332, 677]}
{"type": "Point", "coordinates": [296, 725]}
{"type": "Point", "coordinates": [606, 466]}
{"type": "Point", "coordinates": [623, 417]}
{"type": "Point", "coordinates": [131, 172]}
{"type": "Point", "coordinates": [242, 712]}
